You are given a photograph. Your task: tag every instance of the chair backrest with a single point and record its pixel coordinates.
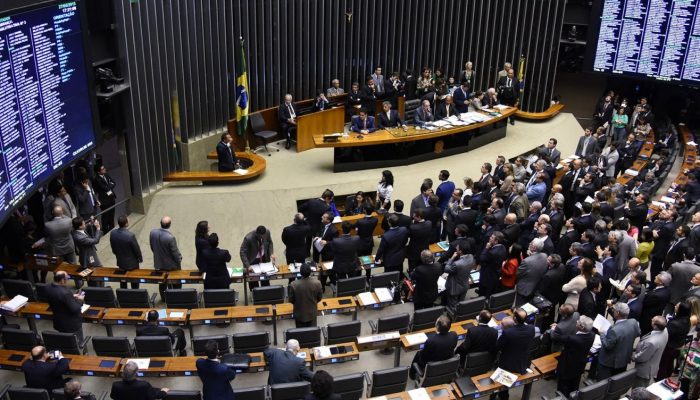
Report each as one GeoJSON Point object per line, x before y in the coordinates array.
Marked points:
{"type": "Point", "coordinates": [468, 309]}
{"type": "Point", "coordinates": [67, 343]}
{"type": "Point", "coordinates": [13, 287]}
{"type": "Point", "coordinates": [397, 322]}
{"type": "Point", "coordinates": [385, 279]}
{"type": "Point", "coordinates": [198, 343]}
{"type": "Point", "coordinates": [100, 296]}
{"type": "Point", "coordinates": [595, 391]}
{"type": "Point", "coordinates": [112, 346]}
{"type": "Point", "coordinates": [289, 391]}
{"type": "Point", "coordinates": [307, 337]}
{"type": "Point", "coordinates": [426, 317]}
{"type": "Point", "coordinates": [19, 339]}
{"type": "Point", "coordinates": [501, 301]}
{"type": "Point", "coordinates": [439, 372]}
{"type": "Point", "coordinates": [133, 298]}
{"type": "Point", "coordinates": [251, 393]}
{"type": "Point", "coordinates": [350, 286]}
{"type": "Point", "coordinates": [478, 363]}
{"type": "Point", "coordinates": [620, 384]}
{"type": "Point", "coordinates": [387, 381]}
{"type": "Point", "coordinates": [257, 122]}
{"type": "Point", "coordinates": [59, 394]}
{"type": "Point", "coordinates": [273, 294]}
{"type": "Point", "coordinates": [219, 298]}
{"type": "Point", "coordinates": [251, 342]}
{"type": "Point", "coordinates": [40, 289]}
{"type": "Point", "coordinates": [349, 387]}
{"type": "Point", "coordinates": [153, 346]}
{"type": "Point", "coordinates": [184, 395]}
{"type": "Point", "coordinates": [20, 393]}
{"type": "Point", "coordinates": [343, 332]}
{"type": "Point", "coordinates": [537, 349]}
{"type": "Point", "coordinates": [181, 298]}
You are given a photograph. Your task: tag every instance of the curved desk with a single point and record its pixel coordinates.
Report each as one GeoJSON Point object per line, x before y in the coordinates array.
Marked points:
{"type": "Point", "coordinates": [392, 147]}
{"type": "Point", "coordinates": [256, 169]}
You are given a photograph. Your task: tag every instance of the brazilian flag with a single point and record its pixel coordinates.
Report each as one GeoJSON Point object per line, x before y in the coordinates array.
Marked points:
{"type": "Point", "coordinates": [242, 96]}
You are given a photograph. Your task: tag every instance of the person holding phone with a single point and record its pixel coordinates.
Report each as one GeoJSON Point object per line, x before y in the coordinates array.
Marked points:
{"type": "Point", "coordinates": [66, 306]}
{"type": "Point", "coordinates": [44, 370]}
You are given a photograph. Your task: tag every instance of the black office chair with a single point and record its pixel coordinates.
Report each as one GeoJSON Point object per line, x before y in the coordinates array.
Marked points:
{"type": "Point", "coordinates": [595, 391]}
{"type": "Point", "coordinates": [153, 346]}
{"type": "Point", "coordinates": [251, 393]}
{"type": "Point", "coordinates": [59, 394]}
{"type": "Point", "coordinates": [538, 348]}
{"type": "Point", "coordinates": [198, 343]}
{"type": "Point", "coordinates": [425, 318]}
{"type": "Point", "coordinates": [273, 294]}
{"type": "Point", "coordinates": [349, 387]}
{"type": "Point", "coordinates": [478, 363]}
{"type": "Point", "coordinates": [257, 124]}
{"type": "Point", "coordinates": [182, 298]}
{"type": "Point", "coordinates": [397, 322]}
{"type": "Point", "coordinates": [135, 298]}
{"type": "Point", "coordinates": [468, 309]}
{"type": "Point", "coordinates": [112, 346]}
{"type": "Point", "coordinates": [384, 280]}
{"type": "Point", "coordinates": [289, 391]}
{"type": "Point", "coordinates": [350, 286]}
{"type": "Point", "coordinates": [620, 384]}
{"type": "Point", "coordinates": [251, 342]}
{"type": "Point", "coordinates": [342, 332]}
{"type": "Point", "coordinates": [219, 298]}
{"type": "Point", "coordinates": [67, 343]}
{"type": "Point", "coordinates": [100, 296]}
{"type": "Point", "coordinates": [14, 287]}
{"type": "Point", "coordinates": [41, 294]}
{"type": "Point", "coordinates": [387, 381]}
{"type": "Point", "coordinates": [21, 393]}
{"type": "Point", "coordinates": [307, 337]}
{"type": "Point", "coordinates": [184, 395]}
{"type": "Point", "coordinates": [436, 372]}
{"type": "Point", "coordinates": [501, 301]}
{"type": "Point", "coordinates": [19, 339]}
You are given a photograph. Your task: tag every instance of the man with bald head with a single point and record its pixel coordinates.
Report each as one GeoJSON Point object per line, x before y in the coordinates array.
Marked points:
{"type": "Point", "coordinates": [648, 353]}
{"type": "Point", "coordinates": [166, 255]}
{"type": "Point", "coordinates": [297, 239]}
{"type": "Point", "coordinates": [65, 305]}
{"type": "Point", "coordinates": [285, 366]}
{"type": "Point", "coordinates": [424, 114]}
{"type": "Point", "coordinates": [42, 371]}
{"type": "Point", "coordinates": [514, 345]}
{"type": "Point", "coordinates": [59, 238]}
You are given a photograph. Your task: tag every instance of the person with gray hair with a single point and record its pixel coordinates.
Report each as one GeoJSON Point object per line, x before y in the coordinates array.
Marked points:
{"type": "Point", "coordinates": [648, 353]}
{"type": "Point", "coordinates": [617, 343]}
{"type": "Point", "coordinates": [574, 355]}
{"type": "Point", "coordinates": [285, 366]}
{"type": "Point", "coordinates": [72, 391]}
{"type": "Point", "coordinates": [654, 302]}
{"type": "Point", "coordinates": [424, 278]}
{"type": "Point", "coordinates": [518, 203]}
{"type": "Point", "coordinates": [130, 388]}
{"type": "Point", "coordinates": [530, 272]}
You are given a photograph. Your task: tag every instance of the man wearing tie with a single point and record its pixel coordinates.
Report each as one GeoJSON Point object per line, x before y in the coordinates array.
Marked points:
{"type": "Point", "coordinates": [257, 248]}
{"type": "Point", "coordinates": [363, 123]}
{"type": "Point", "coordinates": [603, 112]}
{"type": "Point", "coordinates": [225, 154]}
{"type": "Point", "coordinates": [88, 205]}
{"type": "Point", "coordinates": [550, 149]}
{"type": "Point", "coordinates": [446, 109]}
{"type": "Point", "coordinates": [509, 90]}
{"type": "Point", "coordinates": [378, 79]}
{"type": "Point", "coordinates": [287, 117]}
{"type": "Point", "coordinates": [104, 187]}
{"type": "Point", "coordinates": [389, 118]}
{"type": "Point", "coordinates": [424, 114]}
{"type": "Point", "coordinates": [461, 97]}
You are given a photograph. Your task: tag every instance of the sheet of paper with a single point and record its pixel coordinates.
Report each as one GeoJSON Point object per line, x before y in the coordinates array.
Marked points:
{"type": "Point", "coordinates": [416, 338]}
{"type": "Point", "coordinates": [493, 323]}
{"type": "Point", "coordinates": [235, 272]}
{"type": "Point", "coordinates": [503, 377]}
{"type": "Point", "coordinates": [142, 363]}
{"type": "Point", "coordinates": [667, 199]}
{"type": "Point", "coordinates": [323, 351]}
{"type": "Point", "coordinates": [328, 265]}
{"type": "Point", "coordinates": [162, 313]}
{"type": "Point", "coordinates": [384, 295]}
{"type": "Point", "coordinates": [337, 220]}
{"type": "Point", "coordinates": [366, 298]}
{"type": "Point", "coordinates": [589, 200]}
{"type": "Point", "coordinates": [529, 308]}
{"type": "Point", "coordinates": [16, 303]}
{"type": "Point", "coordinates": [84, 308]}
{"type": "Point", "coordinates": [658, 390]}
{"type": "Point", "coordinates": [616, 283]}
{"type": "Point", "coordinates": [240, 171]}
{"type": "Point", "coordinates": [176, 314]}
{"type": "Point", "coordinates": [418, 394]}
{"type": "Point", "coordinates": [318, 245]}
{"type": "Point", "coordinates": [301, 354]}
{"type": "Point", "coordinates": [441, 284]}
{"type": "Point", "coordinates": [601, 323]}
{"type": "Point", "coordinates": [632, 172]}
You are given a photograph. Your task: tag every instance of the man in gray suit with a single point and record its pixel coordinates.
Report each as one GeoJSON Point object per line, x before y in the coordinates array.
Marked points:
{"type": "Point", "coordinates": [648, 353]}
{"type": "Point", "coordinates": [59, 241]}
{"type": "Point", "coordinates": [126, 248]}
{"type": "Point", "coordinates": [566, 325]}
{"type": "Point", "coordinates": [256, 248]}
{"type": "Point", "coordinates": [457, 269]}
{"type": "Point", "coordinates": [617, 343]}
{"type": "Point", "coordinates": [694, 290]}
{"type": "Point", "coordinates": [681, 275]}
{"type": "Point", "coordinates": [305, 293]}
{"type": "Point", "coordinates": [166, 255]}
{"type": "Point", "coordinates": [626, 249]}
{"type": "Point", "coordinates": [285, 366]}
{"type": "Point", "coordinates": [85, 240]}
{"type": "Point", "coordinates": [530, 272]}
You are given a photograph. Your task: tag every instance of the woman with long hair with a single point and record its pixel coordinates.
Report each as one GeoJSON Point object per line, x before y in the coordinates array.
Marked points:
{"type": "Point", "coordinates": [201, 234]}
{"type": "Point", "coordinates": [385, 188]}
{"type": "Point", "coordinates": [574, 287]}
{"type": "Point", "coordinates": [510, 267]}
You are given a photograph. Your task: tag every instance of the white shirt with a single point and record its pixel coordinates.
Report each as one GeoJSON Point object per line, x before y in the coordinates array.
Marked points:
{"type": "Point", "coordinates": [385, 192]}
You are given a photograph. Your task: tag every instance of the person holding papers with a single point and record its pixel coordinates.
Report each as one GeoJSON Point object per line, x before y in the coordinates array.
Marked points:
{"type": "Point", "coordinates": [66, 306]}
{"type": "Point", "coordinates": [363, 123]}
{"type": "Point", "coordinates": [151, 328]}
{"type": "Point", "coordinates": [438, 347]}
{"type": "Point", "coordinates": [257, 248]}
{"type": "Point", "coordinates": [617, 343]}
{"type": "Point", "coordinates": [446, 109]}
{"type": "Point", "coordinates": [457, 269]}
{"type": "Point", "coordinates": [215, 259]}
{"type": "Point", "coordinates": [514, 347]}
{"type": "Point", "coordinates": [424, 114]}
{"type": "Point", "coordinates": [461, 97]}
{"type": "Point", "coordinates": [389, 118]}
{"type": "Point", "coordinates": [574, 355]}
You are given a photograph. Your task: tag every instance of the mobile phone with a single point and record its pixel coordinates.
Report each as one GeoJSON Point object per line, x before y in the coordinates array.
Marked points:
{"type": "Point", "coordinates": [55, 354]}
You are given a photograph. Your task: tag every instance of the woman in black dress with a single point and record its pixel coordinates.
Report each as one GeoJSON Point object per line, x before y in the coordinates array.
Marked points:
{"type": "Point", "coordinates": [215, 260]}
{"type": "Point", "coordinates": [201, 233]}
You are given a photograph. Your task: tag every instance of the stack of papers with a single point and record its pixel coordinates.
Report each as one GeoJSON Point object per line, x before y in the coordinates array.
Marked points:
{"type": "Point", "coordinates": [296, 267]}
{"type": "Point", "coordinates": [618, 285]}
{"type": "Point", "coordinates": [418, 394]}
{"type": "Point", "coordinates": [529, 308]}
{"type": "Point", "coordinates": [15, 304]}
{"type": "Point", "coordinates": [264, 268]}
{"type": "Point", "coordinates": [500, 107]}
{"type": "Point", "coordinates": [416, 338]}
{"type": "Point", "coordinates": [323, 351]}
{"type": "Point", "coordinates": [444, 245]}
{"type": "Point", "coordinates": [503, 377]}
{"type": "Point", "coordinates": [328, 265]}
{"type": "Point", "coordinates": [601, 324]}
{"type": "Point", "coordinates": [632, 172]}
{"type": "Point", "coordinates": [667, 199]}
{"type": "Point", "coordinates": [176, 314]}
{"type": "Point", "coordinates": [384, 295]}
{"type": "Point", "coordinates": [379, 337]}
{"type": "Point", "coordinates": [142, 363]}
{"type": "Point", "coordinates": [366, 298]}
{"type": "Point", "coordinates": [493, 323]}
{"type": "Point", "coordinates": [240, 171]}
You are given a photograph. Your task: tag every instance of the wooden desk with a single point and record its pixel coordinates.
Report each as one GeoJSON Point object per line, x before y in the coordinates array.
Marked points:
{"type": "Point", "coordinates": [37, 310]}
{"type": "Point", "coordinates": [12, 359]}
{"type": "Point", "coordinates": [184, 276]}
{"type": "Point", "coordinates": [377, 305]}
{"type": "Point", "coordinates": [257, 167]}
{"type": "Point", "coordinates": [333, 305]}
{"type": "Point", "coordinates": [251, 313]}
{"type": "Point", "coordinates": [436, 249]}
{"type": "Point", "coordinates": [318, 123]}
{"type": "Point", "coordinates": [349, 352]}
{"type": "Point", "coordinates": [485, 385]}
{"type": "Point", "coordinates": [137, 275]}
{"type": "Point", "coordinates": [456, 328]}
{"type": "Point", "coordinates": [638, 166]}
{"type": "Point", "coordinates": [353, 220]}
{"type": "Point", "coordinates": [137, 316]}
{"type": "Point", "coordinates": [547, 364]}
{"type": "Point", "coordinates": [553, 110]}
{"type": "Point", "coordinates": [93, 365]}
{"type": "Point", "coordinates": [445, 391]}
{"type": "Point", "coordinates": [208, 316]}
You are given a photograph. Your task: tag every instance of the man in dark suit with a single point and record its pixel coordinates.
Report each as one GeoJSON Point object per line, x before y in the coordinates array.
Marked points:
{"type": "Point", "coordinates": [556, 218]}
{"type": "Point", "coordinates": [695, 232]}
{"type": "Point", "coordinates": [552, 281]}
{"type": "Point", "coordinates": [44, 372]}
{"type": "Point", "coordinates": [104, 187]}
{"type": "Point", "coordinates": [287, 118]}
{"type": "Point", "coordinates": [314, 209]}
{"type": "Point", "coordinates": [587, 145]}
{"type": "Point", "coordinates": [485, 176]}
{"type": "Point", "coordinates": [390, 118]}
{"type": "Point", "coordinates": [402, 219]}
{"type": "Point", "coordinates": [446, 109]}
{"type": "Point", "coordinates": [514, 347]}
{"type": "Point", "coordinates": [590, 299]}
{"type": "Point", "coordinates": [369, 96]}
{"type": "Point", "coordinates": [304, 294]}
{"type": "Point", "coordinates": [424, 278]}
{"type": "Point", "coordinates": [509, 91]}
{"type": "Point", "coordinates": [131, 388]}
{"type": "Point", "coordinates": [354, 99]}
{"type": "Point", "coordinates": [438, 347]}
{"type": "Point", "coordinates": [424, 114]}
{"type": "Point", "coordinates": [479, 338]}
{"type": "Point", "coordinates": [65, 305]}
{"type": "Point", "coordinates": [85, 242]}
{"type": "Point", "coordinates": [663, 230]}
{"type": "Point", "coordinates": [215, 376]}
{"type": "Point", "coordinates": [550, 150]}
{"type": "Point", "coordinates": [257, 248]}
{"type": "Point", "coordinates": [603, 112]}
{"type": "Point", "coordinates": [86, 198]}
{"type": "Point", "coordinates": [285, 366]}
{"type": "Point", "coordinates": [323, 238]}
{"type": "Point", "coordinates": [677, 247]}
{"type": "Point", "coordinates": [151, 328]}
{"type": "Point", "coordinates": [345, 253]}
{"type": "Point", "coordinates": [297, 239]}
{"type": "Point", "coordinates": [126, 248]}
{"type": "Point", "coordinates": [461, 97]}
{"type": "Point", "coordinates": [422, 200]}
{"type": "Point", "coordinates": [225, 154]}
{"type": "Point", "coordinates": [491, 260]}
{"type": "Point", "coordinates": [574, 355]}
{"type": "Point", "coordinates": [655, 301]}
{"type": "Point", "coordinates": [392, 247]}
{"type": "Point", "coordinates": [365, 231]}
{"type": "Point", "coordinates": [420, 234]}
{"type": "Point", "coordinates": [363, 123]}
{"type": "Point", "coordinates": [166, 255]}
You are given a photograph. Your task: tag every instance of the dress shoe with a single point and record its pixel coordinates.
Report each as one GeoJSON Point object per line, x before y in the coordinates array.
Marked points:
{"type": "Point", "coordinates": [287, 145]}
{"type": "Point", "coordinates": [512, 122]}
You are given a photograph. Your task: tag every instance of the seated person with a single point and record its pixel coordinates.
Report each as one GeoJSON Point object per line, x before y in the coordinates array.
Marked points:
{"type": "Point", "coordinates": [227, 157]}
{"type": "Point", "coordinates": [438, 347]}
{"type": "Point", "coordinates": [287, 118]}
{"type": "Point", "coordinates": [389, 118]}
{"type": "Point", "coordinates": [363, 123]}
{"type": "Point", "coordinates": [335, 89]}
{"type": "Point", "coordinates": [43, 371]}
{"type": "Point", "coordinates": [72, 391]}
{"type": "Point", "coordinates": [446, 109]}
{"type": "Point", "coordinates": [152, 329]}
{"type": "Point", "coordinates": [285, 366]}
{"type": "Point", "coordinates": [479, 338]}
{"type": "Point", "coordinates": [424, 114]}
{"type": "Point", "coordinates": [321, 102]}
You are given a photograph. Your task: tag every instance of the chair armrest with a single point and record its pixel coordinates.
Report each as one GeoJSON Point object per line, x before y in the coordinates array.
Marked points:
{"type": "Point", "coordinates": [199, 298]}
{"type": "Point", "coordinates": [101, 396]}
{"type": "Point", "coordinates": [588, 382]}
{"type": "Point", "coordinates": [367, 379]}
{"type": "Point", "coordinates": [83, 344]}
{"type": "Point", "coordinates": [152, 299]}
{"type": "Point", "coordinates": [373, 326]}
{"type": "Point", "coordinates": [334, 289]}
{"type": "Point", "coordinates": [419, 370]}
{"type": "Point", "coordinates": [324, 331]}
{"type": "Point", "coordinates": [235, 298]}
{"type": "Point", "coordinates": [3, 390]}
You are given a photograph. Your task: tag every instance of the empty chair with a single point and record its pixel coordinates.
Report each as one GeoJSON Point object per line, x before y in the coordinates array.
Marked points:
{"type": "Point", "coordinates": [595, 391]}
{"type": "Point", "coordinates": [350, 286]}
{"type": "Point", "coordinates": [273, 294]}
{"type": "Point", "coordinates": [342, 332]}
{"type": "Point", "coordinates": [184, 395]}
{"type": "Point", "coordinates": [19, 339]}
{"type": "Point", "coordinates": [384, 280]}
{"type": "Point", "coordinates": [501, 301]}
{"type": "Point", "coordinates": [620, 384]}
{"type": "Point", "coordinates": [135, 298]}
{"type": "Point", "coordinates": [387, 381]}
{"type": "Point", "coordinates": [153, 346]}
{"type": "Point", "coordinates": [425, 318]}
{"type": "Point", "coordinates": [67, 343]}
{"type": "Point", "coordinates": [257, 124]}
{"type": "Point", "coordinates": [219, 298]}
{"type": "Point", "coordinates": [198, 343]}
{"type": "Point", "coordinates": [349, 387]}
{"type": "Point", "coordinates": [14, 287]}
{"type": "Point", "coordinates": [478, 363]}
{"type": "Point", "coordinates": [100, 296]}
{"type": "Point", "coordinates": [436, 372]}
{"type": "Point", "coordinates": [40, 289]}
{"type": "Point", "coordinates": [398, 322]}
{"type": "Point", "coordinates": [307, 337]}
{"type": "Point", "coordinates": [21, 393]}
{"type": "Point", "coordinates": [181, 298]}
{"type": "Point", "coordinates": [468, 309]}
{"type": "Point", "coordinates": [289, 391]}
{"type": "Point", "coordinates": [251, 393]}
{"type": "Point", "coordinates": [252, 342]}
{"type": "Point", "coordinates": [112, 346]}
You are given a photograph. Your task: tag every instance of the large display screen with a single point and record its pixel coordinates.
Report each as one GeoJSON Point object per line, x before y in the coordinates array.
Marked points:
{"type": "Point", "coordinates": [46, 117]}
{"type": "Point", "coordinates": [658, 39]}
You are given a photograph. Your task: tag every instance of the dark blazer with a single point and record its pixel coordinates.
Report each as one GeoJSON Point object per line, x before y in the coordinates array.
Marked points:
{"type": "Point", "coordinates": [460, 97]}
{"type": "Point", "coordinates": [587, 305]}
{"type": "Point", "coordinates": [565, 241]}
{"type": "Point", "coordinates": [365, 231]}
{"type": "Point", "coordinates": [66, 308]}
{"type": "Point", "coordinates": [416, 203]}
{"type": "Point", "coordinates": [392, 247]}
{"type": "Point", "coordinates": [104, 187]}
{"type": "Point", "coordinates": [369, 98]}
{"type": "Point", "coordinates": [574, 354]}
{"type": "Point", "coordinates": [305, 294]}
{"type": "Point", "coordinates": [438, 347]}
{"type": "Point", "coordinates": [216, 378]}
{"type": "Point", "coordinates": [420, 234]}
{"type": "Point", "coordinates": [126, 248]}
{"type": "Point", "coordinates": [328, 252]}
{"type": "Point", "coordinates": [551, 283]}
{"type": "Point", "coordinates": [166, 255]}
{"type": "Point", "coordinates": [635, 309]}
{"type": "Point", "coordinates": [653, 304]}
{"type": "Point", "coordinates": [425, 279]}
{"type": "Point", "coordinates": [250, 247]}
{"type": "Point", "coordinates": [392, 121]}
{"type": "Point", "coordinates": [582, 223]}
{"type": "Point", "coordinates": [345, 253]}
{"type": "Point", "coordinates": [285, 367]}
{"type": "Point", "coordinates": [283, 115]}
{"type": "Point", "coordinates": [152, 330]}
{"type": "Point", "coordinates": [86, 207]}
{"type": "Point", "coordinates": [45, 375]}
{"type": "Point", "coordinates": [218, 276]}
{"type": "Point", "coordinates": [200, 244]}
{"type": "Point", "coordinates": [226, 156]}
{"type": "Point", "coordinates": [442, 112]}
{"type": "Point", "coordinates": [297, 239]}
{"type": "Point", "coordinates": [135, 390]}
{"type": "Point", "coordinates": [478, 338]}
{"type": "Point", "coordinates": [556, 220]}
{"type": "Point", "coordinates": [404, 220]}
{"type": "Point", "coordinates": [491, 261]}
{"type": "Point", "coordinates": [637, 214]}
{"type": "Point", "coordinates": [514, 345]}
{"type": "Point", "coordinates": [368, 125]}
{"type": "Point", "coordinates": [313, 210]}
{"type": "Point", "coordinates": [506, 94]}
{"type": "Point", "coordinates": [333, 396]}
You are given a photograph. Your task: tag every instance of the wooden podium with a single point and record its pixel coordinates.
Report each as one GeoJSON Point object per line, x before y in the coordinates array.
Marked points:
{"type": "Point", "coordinates": [318, 123]}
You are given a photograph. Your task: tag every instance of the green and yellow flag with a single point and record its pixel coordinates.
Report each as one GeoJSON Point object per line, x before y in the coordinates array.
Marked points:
{"type": "Point", "coordinates": [242, 96]}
